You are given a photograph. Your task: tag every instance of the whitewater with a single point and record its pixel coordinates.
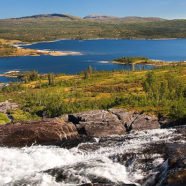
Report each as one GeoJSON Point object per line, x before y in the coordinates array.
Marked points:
{"type": "Point", "coordinates": [100, 159]}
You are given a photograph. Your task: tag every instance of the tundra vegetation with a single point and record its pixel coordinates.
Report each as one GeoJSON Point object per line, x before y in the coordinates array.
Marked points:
{"type": "Point", "coordinates": [161, 91]}
{"type": "Point", "coordinates": [44, 28]}
{"type": "Point", "coordinates": [6, 49]}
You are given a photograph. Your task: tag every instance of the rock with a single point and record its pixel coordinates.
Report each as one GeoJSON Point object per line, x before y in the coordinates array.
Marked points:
{"type": "Point", "coordinates": [176, 154]}
{"type": "Point", "coordinates": [135, 120]}
{"type": "Point", "coordinates": [102, 123]}
{"type": "Point", "coordinates": [6, 106]}
{"type": "Point", "coordinates": [144, 122]}
{"type": "Point", "coordinates": [97, 123]}
{"type": "Point", "coordinates": [124, 116]}
{"type": "Point", "coordinates": [78, 173]}
{"type": "Point", "coordinates": [168, 123]}
{"type": "Point", "coordinates": [39, 132]}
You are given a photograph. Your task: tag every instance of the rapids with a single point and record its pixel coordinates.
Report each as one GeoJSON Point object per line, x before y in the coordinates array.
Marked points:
{"type": "Point", "coordinates": [133, 159]}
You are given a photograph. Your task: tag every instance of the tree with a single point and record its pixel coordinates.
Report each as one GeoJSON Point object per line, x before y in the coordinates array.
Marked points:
{"type": "Point", "coordinates": [51, 78]}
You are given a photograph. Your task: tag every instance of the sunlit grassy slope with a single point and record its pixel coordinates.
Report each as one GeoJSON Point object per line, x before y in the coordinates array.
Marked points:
{"type": "Point", "coordinates": [161, 91]}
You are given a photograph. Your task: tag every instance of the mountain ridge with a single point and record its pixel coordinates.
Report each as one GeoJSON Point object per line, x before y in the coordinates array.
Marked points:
{"type": "Point", "coordinates": [48, 16]}
{"type": "Point", "coordinates": [91, 17]}
{"type": "Point", "coordinates": [127, 18]}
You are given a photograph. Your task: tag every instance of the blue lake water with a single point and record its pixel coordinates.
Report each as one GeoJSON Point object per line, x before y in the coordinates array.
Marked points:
{"type": "Point", "coordinates": [97, 53]}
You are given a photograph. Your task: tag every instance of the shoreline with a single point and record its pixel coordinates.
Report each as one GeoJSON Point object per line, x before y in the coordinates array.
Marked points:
{"type": "Point", "coordinates": [93, 39]}
{"type": "Point", "coordinates": [21, 51]}
{"type": "Point", "coordinates": [156, 63]}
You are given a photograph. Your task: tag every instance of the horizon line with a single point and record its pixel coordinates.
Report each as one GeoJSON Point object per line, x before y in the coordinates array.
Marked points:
{"type": "Point", "coordinates": [94, 14]}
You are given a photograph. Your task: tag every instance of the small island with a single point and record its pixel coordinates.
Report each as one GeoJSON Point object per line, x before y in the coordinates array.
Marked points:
{"type": "Point", "coordinates": [145, 61]}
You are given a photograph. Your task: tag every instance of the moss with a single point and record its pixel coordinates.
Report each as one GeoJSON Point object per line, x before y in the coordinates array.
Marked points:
{"type": "Point", "coordinates": [4, 119]}
{"type": "Point", "coordinates": [20, 115]}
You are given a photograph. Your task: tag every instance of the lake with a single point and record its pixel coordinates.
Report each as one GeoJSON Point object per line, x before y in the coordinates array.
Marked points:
{"type": "Point", "coordinates": [97, 53]}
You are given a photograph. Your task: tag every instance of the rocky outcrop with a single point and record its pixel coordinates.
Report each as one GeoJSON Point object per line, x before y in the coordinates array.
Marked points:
{"type": "Point", "coordinates": [43, 132]}
{"type": "Point", "coordinates": [6, 106]}
{"type": "Point", "coordinates": [97, 123]}
{"type": "Point", "coordinates": [136, 121]}
{"type": "Point", "coordinates": [101, 123]}
{"type": "Point", "coordinates": [80, 126]}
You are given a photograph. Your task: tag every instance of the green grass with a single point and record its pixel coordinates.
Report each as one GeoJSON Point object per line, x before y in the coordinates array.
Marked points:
{"type": "Point", "coordinates": [160, 92]}
{"type": "Point", "coordinates": [3, 119]}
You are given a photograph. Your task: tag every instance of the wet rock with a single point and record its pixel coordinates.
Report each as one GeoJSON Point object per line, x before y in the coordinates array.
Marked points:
{"type": "Point", "coordinates": [80, 174]}
{"type": "Point", "coordinates": [39, 132]}
{"type": "Point", "coordinates": [6, 106]}
{"type": "Point", "coordinates": [168, 123]}
{"type": "Point", "coordinates": [97, 123]}
{"type": "Point", "coordinates": [176, 175]}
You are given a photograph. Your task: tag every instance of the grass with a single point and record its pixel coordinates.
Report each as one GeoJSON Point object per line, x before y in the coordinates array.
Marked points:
{"type": "Point", "coordinates": [3, 119]}
{"type": "Point", "coordinates": [101, 90]}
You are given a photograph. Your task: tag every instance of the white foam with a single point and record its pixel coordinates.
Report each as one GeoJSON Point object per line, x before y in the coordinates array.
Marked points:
{"type": "Point", "coordinates": [17, 164]}
{"type": "Point", "coordinates": [104, 62]}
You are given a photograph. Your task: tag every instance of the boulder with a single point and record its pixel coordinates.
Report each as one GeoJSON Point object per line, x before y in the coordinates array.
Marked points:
{"type": "Point", "coordinates": [39, 132]}
{"type": "Point", "coordinates": [136, 121]}
{"type": "Point", "coordinates": [144, 122]}
{"type": "Point", "coordinates": [97, 123]}
{"type": "Point", "coordinates": [6, 106]}
{"type": "Point", "coordinates": [176, 154]}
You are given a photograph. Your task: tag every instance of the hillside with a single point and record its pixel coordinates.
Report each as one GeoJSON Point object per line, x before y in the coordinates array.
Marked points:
{"type": "Point", "coordinates": [57, 26]}
{"type": "Point", "coordinates": [132, 19]}
{"type": "Point", "coordinates": [55, 95]}
{"type": "Point", "coordinates": [39, 16]}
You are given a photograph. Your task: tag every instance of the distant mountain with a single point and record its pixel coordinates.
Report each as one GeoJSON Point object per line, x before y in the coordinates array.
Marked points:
{"type": "Point", "coordinates": [99, 17]}
{"type": "Point", "coordinates": [49, 16]}
{"type": "Point", "coordinates": [122, 19]}
{"type": "Point", "coordinates": [47, 27]}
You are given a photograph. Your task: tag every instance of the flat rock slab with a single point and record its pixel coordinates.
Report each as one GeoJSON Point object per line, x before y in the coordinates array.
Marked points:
{"type": "Point", "coordinates": [43, 133]}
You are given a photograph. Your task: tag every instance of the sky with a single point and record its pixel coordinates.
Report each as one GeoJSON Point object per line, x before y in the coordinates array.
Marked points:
{"type": "Point", "coordinates": [169, 9]}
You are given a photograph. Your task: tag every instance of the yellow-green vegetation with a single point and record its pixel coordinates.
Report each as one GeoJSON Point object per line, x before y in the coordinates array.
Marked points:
{"type": "Point", "coordinates": [146, 61]}
{"type": "Point", "coordinates": [6, 49]}
{"type": "Point", "coordinates": [3, 119]}
{"type": "Point", "coordinates": [131, 60]}
{"type": "Point", "coordinates": [161, 91]}
{"type": "Point", "coordinates": [20, 115]}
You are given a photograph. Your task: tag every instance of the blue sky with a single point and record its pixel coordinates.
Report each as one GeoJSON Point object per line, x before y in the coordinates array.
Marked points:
{"type": "Point", "coordinates": [157, 8]}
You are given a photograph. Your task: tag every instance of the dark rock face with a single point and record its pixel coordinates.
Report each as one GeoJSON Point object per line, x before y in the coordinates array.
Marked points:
{"type": "Point", "coordinates": [43, 132]}
{"type": "Point", "coordinates": [176, 154]}
{"type": "Point", "coordinates": [168, 123]}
